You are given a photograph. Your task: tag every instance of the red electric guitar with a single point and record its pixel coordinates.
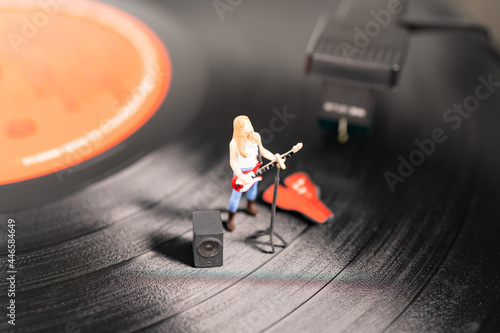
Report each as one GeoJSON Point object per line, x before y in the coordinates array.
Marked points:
{"type": "Point", "coordinates": [256, 173]}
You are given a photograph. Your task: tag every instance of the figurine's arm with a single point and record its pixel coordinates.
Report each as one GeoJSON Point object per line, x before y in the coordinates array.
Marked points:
{"type": "Point", "coordinates": [267, 154]}
{"type": "Point", "coordinates": [233, 162]}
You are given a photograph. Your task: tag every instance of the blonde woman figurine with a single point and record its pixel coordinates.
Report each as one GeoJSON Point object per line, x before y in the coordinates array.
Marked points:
{"type": "Point", "coordinates": [245, 150]}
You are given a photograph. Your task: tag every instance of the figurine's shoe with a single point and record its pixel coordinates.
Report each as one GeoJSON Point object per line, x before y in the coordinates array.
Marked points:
{"type": "Point", "coordinates": [252, 209]}
{"type": "Point", "coordinates": [230, 225]}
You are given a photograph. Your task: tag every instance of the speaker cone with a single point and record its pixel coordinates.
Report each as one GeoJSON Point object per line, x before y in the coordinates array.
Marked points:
{"type": "Point", "coordinates": [209, 248]}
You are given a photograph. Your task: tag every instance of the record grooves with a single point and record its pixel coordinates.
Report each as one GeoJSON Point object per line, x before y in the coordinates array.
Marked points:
{"type": "Point", "coordinates": [110, 248]}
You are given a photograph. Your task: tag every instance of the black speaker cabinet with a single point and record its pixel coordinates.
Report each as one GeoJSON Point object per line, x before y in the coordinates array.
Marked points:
{"type": "Point", "coordinates": [207, 239]}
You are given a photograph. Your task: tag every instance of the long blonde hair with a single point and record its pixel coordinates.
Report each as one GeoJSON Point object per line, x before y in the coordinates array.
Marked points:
{"type": "Point", "coordinates": [241, 140]}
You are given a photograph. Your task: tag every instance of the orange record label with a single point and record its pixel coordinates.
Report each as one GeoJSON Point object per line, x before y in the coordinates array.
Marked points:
{"type": "Point", "coordinates": [76, 78]}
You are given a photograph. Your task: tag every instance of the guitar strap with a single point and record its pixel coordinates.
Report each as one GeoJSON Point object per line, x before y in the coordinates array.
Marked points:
{"type": "Point", "coordinates": [259, 156]}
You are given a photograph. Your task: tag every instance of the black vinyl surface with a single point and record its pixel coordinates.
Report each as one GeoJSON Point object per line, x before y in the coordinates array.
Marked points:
{"type": "Point", "coordinates": [110, 249]}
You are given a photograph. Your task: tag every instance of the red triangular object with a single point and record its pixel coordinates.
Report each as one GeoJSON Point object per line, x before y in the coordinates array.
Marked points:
{"type": "Point", "coordinates": [301, 183]}
{"type": "Point", "coordinates": [300, 196]}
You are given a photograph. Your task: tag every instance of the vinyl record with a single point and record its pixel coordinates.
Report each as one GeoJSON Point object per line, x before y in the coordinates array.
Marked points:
{"type": "Point", "coordinates": [103, 243]}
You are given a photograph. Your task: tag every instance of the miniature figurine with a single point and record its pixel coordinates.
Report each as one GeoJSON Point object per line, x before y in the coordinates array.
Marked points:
{"type": "Point", "coordinates": [245, 151]}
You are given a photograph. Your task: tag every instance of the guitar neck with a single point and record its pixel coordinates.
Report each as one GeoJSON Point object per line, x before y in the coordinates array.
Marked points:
{"type": "Point", "coordinates": [271, 165]}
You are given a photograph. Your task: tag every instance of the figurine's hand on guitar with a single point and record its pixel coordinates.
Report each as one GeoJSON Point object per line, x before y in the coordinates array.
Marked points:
{"type": "Point", "coordinates": [281, 161]}
{"type": "Point", "coordinates": [246, 179]}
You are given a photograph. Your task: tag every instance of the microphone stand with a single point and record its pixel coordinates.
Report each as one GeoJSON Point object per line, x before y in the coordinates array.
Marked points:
{"type": "Point", "coordinates": [270, 230]}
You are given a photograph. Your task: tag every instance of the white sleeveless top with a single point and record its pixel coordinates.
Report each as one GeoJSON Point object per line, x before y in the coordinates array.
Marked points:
{"type": "Point", "coordinates": [252, 156]}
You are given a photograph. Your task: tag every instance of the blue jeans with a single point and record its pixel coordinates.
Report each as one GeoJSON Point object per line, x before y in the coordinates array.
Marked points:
{"type": "Point", "coordinates": [234, 201]}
